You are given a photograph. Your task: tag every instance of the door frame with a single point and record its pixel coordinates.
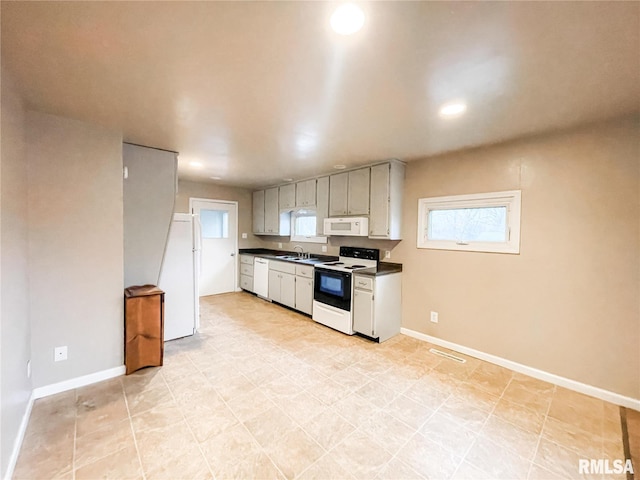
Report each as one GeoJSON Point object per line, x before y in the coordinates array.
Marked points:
{"type": "Point", "coordinates": [236, 288]}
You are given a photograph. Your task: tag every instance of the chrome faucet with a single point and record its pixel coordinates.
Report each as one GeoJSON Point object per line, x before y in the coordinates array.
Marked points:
{"type": "Point", "coordinates": [301, 252]}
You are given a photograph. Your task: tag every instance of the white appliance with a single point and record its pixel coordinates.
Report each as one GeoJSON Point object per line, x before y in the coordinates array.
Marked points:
{"type": "Point", "coordinates": [261, 277]}
{"type": "Point", "coordinates": [178, 280]}
{"type": "Point", "coordinates": [333, 287]}
{"type": "Point", "coordinates": [347, 226]}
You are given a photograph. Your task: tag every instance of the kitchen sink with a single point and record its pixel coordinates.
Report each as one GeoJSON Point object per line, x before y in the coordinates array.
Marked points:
{"type": "Point", "coordinates": [295, 258]}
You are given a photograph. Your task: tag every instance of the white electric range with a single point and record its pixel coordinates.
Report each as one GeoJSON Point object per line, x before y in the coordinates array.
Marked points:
{"type": "Point", "coordinates": [333, 287]}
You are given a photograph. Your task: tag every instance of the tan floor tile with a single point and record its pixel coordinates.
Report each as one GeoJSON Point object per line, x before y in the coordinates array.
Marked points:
{"type": "Point", "coordinates": [57, 412]}
{"type": "Point", "coordinates": [387, 431]}
{"type": "Point", "coordinates": [519, 392]}
{"type": "Point", "coordinates": [233, 386]}
{"type": "Point", "coordinates": [106, 441]}
{"type": "Point", "coordinates": [326, 468]}
{"type": "Point", "coordinates": [122, 464]}
{"type": "Point", "coordinates": [143, 379]}
{"type": "Point", "coordinates": [396, 470]}
{"type": "Point", "coordinates": [577, 409]}
{"type": "Point", "coordinates": [96, 409]}
{"type": "Point", "coordinates": [210, 424]}
{"type": "Point", "coordinates": [270, 426]}
{"type": "Point", "coordinates": [49, 455]}
{"type": "Point", "coordinates": [409, 411]}
{"type": "Point", "coordinates": [350, 378]}
{"type": "Point", "coordinates": [466, 471]}
{"type": "Point", "coordinates": [464, 414]}
{"type": "Point", "coordinates": [302, 407]}
{"type": "Point", "coordinates": [510, 436]}
{"type": "Point", "coordinates": [395, 379]}
{"type": "Point", "coordinates": [230, 446]}
{"type": "Point", "coordinates": [429, 459]}
{"type": "Point", "coordinates": [355, 409]}
{"type": "Point", "coordinates": [539, 473]}
{"type": "Point", "coordinates": [491, 378]}
{"type": "Point", "coordinates": [256, 465]}
{"type": "Point", "coordinates": [294, 453]}
{"type": "Point", "coordinates": [159, 417]}
{"type": "Point", "coordinates": [519, 415]}
{"type": "Point", "coordinates": [422, 392]}
{"type": "Point", "coordinates": [249, 405]}
{"type": "Point", "coordinates": [559, 460]}
{"type": "Point", "coordinates": [474, 395]}
{"type": "Point", "coordinates": [328, 429]}
{"type": "Point", "coordinates": [328, 392]}
{"type": "Point", "coordinates": [361, 455]}
{"type": "Point", "coordinates": [377, 393]}
{"type": "Point", "coordinates": [442, 430]}
{"type": "Point", "coordinates": [141, 401]}
{"type": "Point", "coordinates": [582, 442]}
{"type": "Point", "coordinates": [499, 462]}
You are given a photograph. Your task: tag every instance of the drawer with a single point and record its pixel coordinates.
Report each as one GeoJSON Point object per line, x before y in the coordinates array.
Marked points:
{"type": "Point", "coordinates": [248, 259]}
{"type": "Point", "coordinates": [363, 283]}
{"type": "Point", "coordinates": [304, 271]}
{"type": "Point", "coordinates": [283, 267]}
{"type": "Point", "coordinates": [246, 282]}
{"type": "Point", "coordinates": [246, 269]}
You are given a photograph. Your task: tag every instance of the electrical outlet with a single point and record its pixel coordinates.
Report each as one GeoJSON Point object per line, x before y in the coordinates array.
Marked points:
{"type": "Point", "coordinates": [434, 317]}
{"type": "Point", "coordinates": [28, 368]}
{"type": "Point", "coordinates": [387, 254]}
{"type": "Point", "coordinates": [279, 244]}
{"type": "Point", "coordinates": [60, 353]}
{"type": "Point", "coordinates": [244, 235]}
{"type": "Point", "coordinates": [324, 249]}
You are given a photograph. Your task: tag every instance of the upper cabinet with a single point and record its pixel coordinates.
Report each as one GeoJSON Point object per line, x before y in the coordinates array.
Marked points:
{"type": "Point", "coordinates": [385, 216]}
{"type": "Point", "coordinates": [258, 212]}
{"type": "Point", "coordinates": [338, 185]}
{"type": "Point", "coordinates": [322, 203]}
{"type": "Point", "coordinates": [358, 192]}
{"type": "Point", "coordinates": [267, 218]}
{"type": "Point", "coordinates": [374, 191]}
{"type": "Point", "coordinates": [349, 193]}
{"type": "Point", "coordinates": [306, 193]}
{"type": "Point", "coordinates": [287, 196]}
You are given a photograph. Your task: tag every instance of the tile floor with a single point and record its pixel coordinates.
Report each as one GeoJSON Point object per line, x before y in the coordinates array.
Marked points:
{"type": "Point", "coordinates": [263, 392]}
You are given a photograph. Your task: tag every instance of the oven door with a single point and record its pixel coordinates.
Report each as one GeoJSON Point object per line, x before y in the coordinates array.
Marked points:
{"type": "Point", "coordinates": [332, 288]}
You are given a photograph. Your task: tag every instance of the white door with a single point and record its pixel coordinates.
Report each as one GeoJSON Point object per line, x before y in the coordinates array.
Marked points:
{"type": "Point", "coordinates": [216, 244]}
{"type": "Point", "coordinates": [178, 281]}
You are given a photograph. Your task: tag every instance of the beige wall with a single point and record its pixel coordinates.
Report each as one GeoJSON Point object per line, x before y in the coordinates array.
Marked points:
{"type": "Point", "coordinates": [15, 330]}
{"type": "Point", "coordinates": [75, 247]}
{"type": "Point", "coordinates": [187, 189]}
{"type": "Point", "coordinates": [569, 303]}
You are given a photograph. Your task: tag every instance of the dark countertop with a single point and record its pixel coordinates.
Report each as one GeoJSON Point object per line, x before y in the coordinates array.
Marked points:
{"type": "Point", "coordinates": [384, 268]}
{"type": "Point", "coordinates": [274, 254]}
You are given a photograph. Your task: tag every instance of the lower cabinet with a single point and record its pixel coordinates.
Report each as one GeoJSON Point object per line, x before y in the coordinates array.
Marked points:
{"type": "Point", "coordinates": [246, 272]}
{"type": "Point", "coordinates": [282, 283]}
{"type": "Point", "coordinates": [304, 289]}
{"type": "Point", "coordinates": [377, 305]}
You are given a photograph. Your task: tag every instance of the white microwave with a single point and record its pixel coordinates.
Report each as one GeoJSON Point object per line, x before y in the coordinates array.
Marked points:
{"type": "Point", "coordinates": [347, 226]}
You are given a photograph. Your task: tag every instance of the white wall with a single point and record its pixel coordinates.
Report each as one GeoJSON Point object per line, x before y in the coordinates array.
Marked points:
{"type": "Point", "coordinates": [75, 247]}
{"type": "Point", "coordinates": [149, 197]}
{"type": "Point", "coordinates": [15, 330]}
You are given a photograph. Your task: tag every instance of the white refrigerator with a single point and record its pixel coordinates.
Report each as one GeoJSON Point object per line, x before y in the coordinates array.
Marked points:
{"type": "Point", "coordinates": [178, 280]}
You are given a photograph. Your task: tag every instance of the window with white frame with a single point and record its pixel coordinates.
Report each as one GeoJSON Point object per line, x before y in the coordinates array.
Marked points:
{"type": "Point", "coordinates": [484, 222]}
{"type": "Point", "coordinates": [303, 227]}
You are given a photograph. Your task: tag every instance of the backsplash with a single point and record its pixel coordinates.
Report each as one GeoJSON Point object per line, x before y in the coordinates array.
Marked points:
{"type": "Point", "coordinates": [333, 245]}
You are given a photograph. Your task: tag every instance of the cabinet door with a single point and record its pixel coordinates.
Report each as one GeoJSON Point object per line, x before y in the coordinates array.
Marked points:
{"type": "Point", "coordinates": [363, 312]}
{"type": "Point", "coordinates": [274, 285]}
{"type": "Point", "coordinates": [288, 289]}
{"type": "Point", "coordinates": [338, 185]}
{"type": "Point", "coordinates": [287, 196]}
{"type": "Point", "coordinates": [322, 203]}
{"type": "Point", "coordinates": [258, 211]}
{"type": "Point", "coordinates": [358, 192]}
{"type": "Point", "coordinates": [304, 294]}
{"type": "Point", "coordinates": [379, 215]}
{"type": "Point", "coordinates": [306, 193]}
{"type": "Point", "coordinates": [271, 211]}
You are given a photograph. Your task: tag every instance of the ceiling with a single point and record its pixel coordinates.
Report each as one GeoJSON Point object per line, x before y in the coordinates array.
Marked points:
{"type": "Point", "coordinates": [261, 91]}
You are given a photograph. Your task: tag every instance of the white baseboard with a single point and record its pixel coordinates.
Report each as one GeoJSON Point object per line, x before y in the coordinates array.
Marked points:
{"type": "Point", "coordinates": [77, 382]}
{"type": "Point", "coordinates": [17, 444]}
{"type": "Point", "coordinates": [597, 392]}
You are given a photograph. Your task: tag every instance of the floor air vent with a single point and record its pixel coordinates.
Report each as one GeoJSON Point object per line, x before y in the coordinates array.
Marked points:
{"type": "Point", "coordinates": [447, 355]}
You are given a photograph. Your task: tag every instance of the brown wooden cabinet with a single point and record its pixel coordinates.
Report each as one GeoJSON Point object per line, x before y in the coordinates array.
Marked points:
{"type": "Point", "coordinates": [143, 327]}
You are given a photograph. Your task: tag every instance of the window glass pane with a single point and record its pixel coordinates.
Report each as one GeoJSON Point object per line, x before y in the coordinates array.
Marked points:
{"type": "Point", "coordinates": [486, 224]}
{"type": "Point", "coordinates": [305, 226]}
{"type": "Point", "coordinates": [215, 223]}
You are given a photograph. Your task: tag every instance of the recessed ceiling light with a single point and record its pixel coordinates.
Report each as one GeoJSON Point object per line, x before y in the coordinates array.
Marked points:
{"type": "Point", "coordinates": [339, 167]}
{"type": "Point", "coordinates": [287, 179]}
{"type": "Point", "coordinates": [195, 164]}
{"type": "Point", "coordinates": [214, 178]}
{"type": "Point", "coordinates": [453, 109]}
{"type": "Point", "coordinates": [347, 19]}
